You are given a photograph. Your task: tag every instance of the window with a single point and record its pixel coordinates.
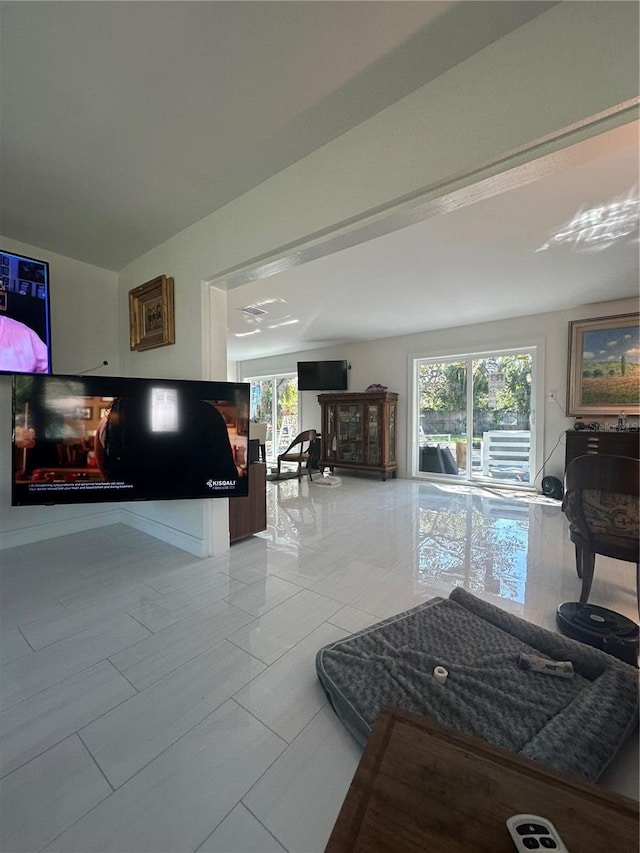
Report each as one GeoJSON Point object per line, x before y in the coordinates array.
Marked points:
{"type": "Point", "coordinates": [474, 415]}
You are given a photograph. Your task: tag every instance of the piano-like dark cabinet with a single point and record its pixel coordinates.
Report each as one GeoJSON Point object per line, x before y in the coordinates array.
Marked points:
{"type": "Point", "coordinates": [587, 443]}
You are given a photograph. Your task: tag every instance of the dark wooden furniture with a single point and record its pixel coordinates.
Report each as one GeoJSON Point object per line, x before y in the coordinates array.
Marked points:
{"type": "Point", "coordinates": [610, 529]}
{"type": "Point", "coordinates": [585, 442]}
{"type": "Point", "coordinates": [299, 452]}
{"type": "Point", "coordinates": [422, 787]}
{"type": "Point", "coordinates": [249, 515]}
{"type": "Point", "coordinates": [359, 431]}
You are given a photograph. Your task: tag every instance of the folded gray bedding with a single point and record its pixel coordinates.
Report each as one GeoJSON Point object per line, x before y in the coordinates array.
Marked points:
{"type": "Point", "coordinates": [574, 725]}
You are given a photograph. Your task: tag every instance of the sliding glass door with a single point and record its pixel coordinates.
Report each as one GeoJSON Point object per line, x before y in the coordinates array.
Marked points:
{"type": "Point", "coordinates": [474, 416]}
{"type": "Point", "coordinates": [274, 401]}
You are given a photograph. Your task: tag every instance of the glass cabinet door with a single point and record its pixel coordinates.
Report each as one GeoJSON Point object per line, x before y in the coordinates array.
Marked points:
{"type": "Point", "coordinates": [349, 445]}
{"type": "Point", "coordinates": [330, 433]}
{"type": "Point", "coordinates": [373, 434]}
{"type": "Point", "coordinates": [392, 433]}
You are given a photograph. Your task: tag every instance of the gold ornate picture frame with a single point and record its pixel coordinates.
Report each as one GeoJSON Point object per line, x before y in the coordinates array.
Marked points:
{"type": "Point", "coordinates": [604, 366]}
{"type": "Point", "coordinates": [151, 314]}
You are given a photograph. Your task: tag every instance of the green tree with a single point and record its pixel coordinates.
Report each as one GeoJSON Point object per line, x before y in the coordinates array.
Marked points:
{"type": "Point", "coordinates": [516, 394]}
{"type": "Point", "coordinates": [288, 395]}
{"type": "Point", "coordinates": [623, 364]}
{"type": "Point", "coordinates": [443, 385]}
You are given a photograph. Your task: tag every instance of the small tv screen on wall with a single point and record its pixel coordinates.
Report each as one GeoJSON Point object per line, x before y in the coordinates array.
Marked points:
{"type": "Point", "coordinates": [25, 321]}
{"type": "Point", "coordinates": [322, 376]}
{"type": "Point", "coordinates": [80, 439]}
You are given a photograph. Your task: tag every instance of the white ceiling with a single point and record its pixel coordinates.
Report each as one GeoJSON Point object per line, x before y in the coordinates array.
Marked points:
{"type": "Point", "coordinates": [125, 122]}
{"type": "Point", "coordinates": [483, 260]}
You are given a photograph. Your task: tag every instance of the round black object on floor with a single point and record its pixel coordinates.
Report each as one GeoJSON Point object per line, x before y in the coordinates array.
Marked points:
{"type": "Point", "coordinates": [605, 629]}
{"type": "Point", "coordinates": [552, 487]}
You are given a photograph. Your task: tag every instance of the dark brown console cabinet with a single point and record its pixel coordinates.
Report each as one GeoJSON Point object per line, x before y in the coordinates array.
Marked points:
{"type": "Point", "coordinates": [359, 431]}
{"type": "Point", "coordinates": [249, 515]}
{"type": "Point", "coordinates": [587, 443]}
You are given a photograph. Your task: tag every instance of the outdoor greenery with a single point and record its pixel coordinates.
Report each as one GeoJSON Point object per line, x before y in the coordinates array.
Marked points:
{"type": "Point", "coordinates": [501, 395]}
{"type": "Point", "coordinates": [262, 399]}
{"type": "Point", "coordinates": [443, 385]}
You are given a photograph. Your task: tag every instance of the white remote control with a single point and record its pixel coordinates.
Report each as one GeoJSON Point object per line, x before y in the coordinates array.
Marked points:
{"type": "Point", "coordinates": [532, 832]}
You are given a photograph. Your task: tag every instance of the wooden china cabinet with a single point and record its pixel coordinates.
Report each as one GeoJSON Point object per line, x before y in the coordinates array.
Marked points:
{"type": "Point", "coordinates": [359, 431]}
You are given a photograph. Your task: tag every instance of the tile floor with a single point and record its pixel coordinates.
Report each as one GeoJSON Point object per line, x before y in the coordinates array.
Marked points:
{"type": "Point", "coordinates": [151, 701]}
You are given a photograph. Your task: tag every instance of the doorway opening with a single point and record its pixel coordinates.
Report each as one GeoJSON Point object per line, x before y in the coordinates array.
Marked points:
{"type": "Point", "coordinates": [274, 401]}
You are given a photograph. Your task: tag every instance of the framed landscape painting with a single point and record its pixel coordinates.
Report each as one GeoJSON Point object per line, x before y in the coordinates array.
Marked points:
{"type": "Point", "coordinates": [604, 366]}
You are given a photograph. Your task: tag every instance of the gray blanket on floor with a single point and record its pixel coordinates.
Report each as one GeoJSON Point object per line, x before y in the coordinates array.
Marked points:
{"type": "Point", "coordinates": [574, 725]}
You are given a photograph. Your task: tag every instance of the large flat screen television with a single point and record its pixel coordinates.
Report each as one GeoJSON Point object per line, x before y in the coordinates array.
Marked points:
{"type": "Point", "coordinates": [81, 439]}
{"type": "Point", "coordinates": [25, 315]}
{"type": "Point", "coordinates": [322, 376]}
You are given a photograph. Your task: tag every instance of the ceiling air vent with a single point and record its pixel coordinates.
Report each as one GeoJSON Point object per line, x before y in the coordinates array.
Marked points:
{"type": "Point", "coordinates": [253, 310]}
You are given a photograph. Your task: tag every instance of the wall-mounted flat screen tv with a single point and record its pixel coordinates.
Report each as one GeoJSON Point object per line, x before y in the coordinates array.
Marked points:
{"type": "Point", "coordinates": [81, 439]}
{"type": "Point", "coordinates": [25, 315]}
{"type": "Point", "coordinates": [322, 376]}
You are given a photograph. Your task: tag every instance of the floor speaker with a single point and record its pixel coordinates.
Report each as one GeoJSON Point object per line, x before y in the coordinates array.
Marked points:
{"type": "Point", "coordinates": [552, 487]}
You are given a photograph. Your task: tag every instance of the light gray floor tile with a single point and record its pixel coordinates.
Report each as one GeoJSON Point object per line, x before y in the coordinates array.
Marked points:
{"type": "Point", "coordinates": [24, 611]}
{"type": "Point", "coordinates": [45, 796]}
{"type": "Point", "coordinates": [176, 801]}
{"type": "Point", "coordinates": [39, 722]}
{"type": "Point", "coordinates": [280, 629]}
{"type": "Point", "coordinates": [263, 595]}
{"type": "Point", "coordinates": [193, 576]}
{"type": "Point", "coordinates": [29, 674]}
{"type": "Point", "coordinates": [393, 594]}
{"type": "Point", "coordinates": [208, 592]}
{"type": "Point", "coordinates": [352, 620]}
{"type": "Point", "coordinates": [13, 645]}
{"type": "Point", "coordinates": [86, 621]}
{"type": "Point", "coordinates": [133, 734]}
{"type": "Point", "coordinates": [182, 800]}
{"type": "Point", "coordinates": [345, 581]}
{"type": "Point", "coordinates": [287, 695]}
{"type": "Point", "coordinates": [159, 613]}
{"type": "Point", "coordinates": [109, 591]}
{"type": "Point", "coordinates": [247, 572]}
{"type": "Point", "coordinates": [158, 655]}
{"type": "Point", "coordinates": [240, 832]}
{"type": "Point", "coordinates": [299, 798]}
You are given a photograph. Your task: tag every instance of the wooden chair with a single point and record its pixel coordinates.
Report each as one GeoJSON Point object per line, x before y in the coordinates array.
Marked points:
{"type": "Point", "coordinates": [299, 455]}
{"type": "Point", "coordinates": [601, 504]}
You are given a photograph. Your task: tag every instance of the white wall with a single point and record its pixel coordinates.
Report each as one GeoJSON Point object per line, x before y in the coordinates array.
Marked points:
{"type": "Point", "coordinates": [568, 65]}
{"type": "Point", "coordinates": [565, 67]}
{"type": "Point", "coordinates": [388, 361]}
{"type": "Point", "coordinates": [84, 333]}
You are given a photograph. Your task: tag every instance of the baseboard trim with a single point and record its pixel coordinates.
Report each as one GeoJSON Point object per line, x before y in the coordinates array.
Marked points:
{"type": "Point", "coordinates": [59, 527]}
{"type": "Point", "coordinates": [63, 527]}
{"type": "Point", "coordinates": [178, 538]}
